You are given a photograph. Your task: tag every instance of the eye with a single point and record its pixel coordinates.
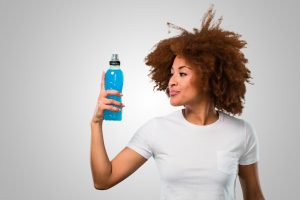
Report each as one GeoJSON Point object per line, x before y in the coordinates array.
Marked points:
{"type": "Point", "coordinates": [181, 74]}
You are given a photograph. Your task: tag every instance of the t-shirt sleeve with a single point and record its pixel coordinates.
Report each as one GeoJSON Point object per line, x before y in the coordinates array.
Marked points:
{"type": "Point", "coordinates": [251, 146]}
{"type": "Point", "coordinates": [141, 140]}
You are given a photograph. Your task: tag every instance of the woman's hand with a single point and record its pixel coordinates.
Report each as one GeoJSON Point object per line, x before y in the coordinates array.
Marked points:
{"type": "Point", "coordinates": [103, 102]}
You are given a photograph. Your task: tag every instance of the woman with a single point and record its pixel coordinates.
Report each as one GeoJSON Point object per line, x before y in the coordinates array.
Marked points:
{"type": "Point", "coordinates": [200, 149]}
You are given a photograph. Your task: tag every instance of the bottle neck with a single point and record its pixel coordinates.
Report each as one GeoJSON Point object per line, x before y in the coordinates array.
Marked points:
{"type": "Point", "coordinates": [114, 67]}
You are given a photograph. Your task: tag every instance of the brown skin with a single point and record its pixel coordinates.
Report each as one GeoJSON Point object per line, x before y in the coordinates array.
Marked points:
{"type": "Point", "coordinates": [220, 83]}
{"type": "Point", "coordinates": [107, 174]}
{"type": "Point", "coordinates": [199, 109]}
{"type": "Point", "coordinates": [216, 55]}
{"type": "Point", "coordinates": [222, 73]}
{"type": "Point", "coordinates": [128, 161]}
{"type": "Point", "coordinates": [249, 179]}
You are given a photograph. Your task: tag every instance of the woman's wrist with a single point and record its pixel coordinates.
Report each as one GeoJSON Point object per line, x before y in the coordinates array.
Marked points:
{"type": "Point", "coordinates": [97, 120]}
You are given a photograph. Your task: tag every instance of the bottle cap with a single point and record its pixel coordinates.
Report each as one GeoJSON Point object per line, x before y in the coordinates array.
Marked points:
{"type": "Point", "coordinates": [114, 60]}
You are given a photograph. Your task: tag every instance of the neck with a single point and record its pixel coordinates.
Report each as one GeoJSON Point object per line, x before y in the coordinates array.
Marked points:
{"type": "Point", "coordinates": [201, 113]}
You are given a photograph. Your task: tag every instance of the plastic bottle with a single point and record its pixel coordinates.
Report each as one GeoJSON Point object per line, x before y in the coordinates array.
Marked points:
{"type": "Point", "coordinates": [114, 79]}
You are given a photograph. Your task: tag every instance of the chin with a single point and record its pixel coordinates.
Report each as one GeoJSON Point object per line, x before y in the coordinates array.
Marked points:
{"type": "Point", "coordinates": [176, 103]}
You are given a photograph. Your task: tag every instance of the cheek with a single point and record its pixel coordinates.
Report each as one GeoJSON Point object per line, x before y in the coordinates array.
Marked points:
{"type": "Point", "coordinates": [187, 94]}
{"type": "Point", "coordinates": [191, 92]}
{"type": "Point", "coordinates": [191, 88]}
{"type": "Point", "coordinates": [195, 86]}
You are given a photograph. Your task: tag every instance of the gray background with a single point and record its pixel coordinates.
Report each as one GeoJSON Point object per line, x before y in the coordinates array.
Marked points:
{"type": "Point", "coordinates": [53, 53]}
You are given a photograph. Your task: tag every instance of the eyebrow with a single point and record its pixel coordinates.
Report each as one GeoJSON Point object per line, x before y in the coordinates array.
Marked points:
{"type": "Point", "coordinates": [182, 67]}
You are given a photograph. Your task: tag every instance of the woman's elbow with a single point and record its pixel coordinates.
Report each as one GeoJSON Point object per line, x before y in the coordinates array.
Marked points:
{"type": "Point", "coordinates": [101, 186]}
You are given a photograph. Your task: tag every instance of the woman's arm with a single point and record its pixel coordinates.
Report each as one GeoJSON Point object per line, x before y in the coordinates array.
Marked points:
{"type": "Point", "coordinates": [249, 179]}
{"type": "Point", "coordinates": [108, 173]}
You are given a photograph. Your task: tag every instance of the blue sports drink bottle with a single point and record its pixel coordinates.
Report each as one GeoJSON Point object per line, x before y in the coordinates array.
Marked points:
{"type": "Point", "coordinates": [114, 79]}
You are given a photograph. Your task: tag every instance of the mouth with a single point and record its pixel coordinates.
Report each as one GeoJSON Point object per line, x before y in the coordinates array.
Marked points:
{"type": "Point", "coordinates": [173, 93]}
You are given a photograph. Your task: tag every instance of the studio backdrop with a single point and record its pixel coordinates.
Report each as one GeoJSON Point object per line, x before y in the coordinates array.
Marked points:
{"type": "Point", "coordinates": [52, 56]}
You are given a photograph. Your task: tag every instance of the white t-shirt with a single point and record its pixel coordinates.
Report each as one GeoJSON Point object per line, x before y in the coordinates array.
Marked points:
{"type": "Point", "coordinates": [197, 162]}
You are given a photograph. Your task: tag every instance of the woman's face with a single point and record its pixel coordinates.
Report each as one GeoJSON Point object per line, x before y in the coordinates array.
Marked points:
{"type": "Point", "coordinates": [181, 85]}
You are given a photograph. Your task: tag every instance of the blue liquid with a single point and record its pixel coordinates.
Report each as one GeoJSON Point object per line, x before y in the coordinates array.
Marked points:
{"type": "Point", "coordinates": [114, 81]}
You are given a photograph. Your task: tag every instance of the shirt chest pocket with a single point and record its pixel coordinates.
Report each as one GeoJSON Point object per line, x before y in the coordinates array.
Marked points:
{"type": "Point", "coordinates": [227, 162]}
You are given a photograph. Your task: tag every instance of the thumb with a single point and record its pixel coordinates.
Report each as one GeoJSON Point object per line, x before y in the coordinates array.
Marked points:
{"type": "Point", "coordinates": [103, 81]}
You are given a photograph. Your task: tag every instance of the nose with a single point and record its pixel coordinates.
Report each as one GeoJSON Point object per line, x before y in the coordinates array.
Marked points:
{"type": "Point", "coordinates": [172, 81]}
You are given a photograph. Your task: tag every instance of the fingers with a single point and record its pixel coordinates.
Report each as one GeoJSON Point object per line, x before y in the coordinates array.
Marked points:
{"type": "Point", "coordinates": [113, 92]}
{"type": "Point", "coordinates": [105, 106]}
{"type": "Point", "coordinates": [112, 108]}
{"type": "Point", "coordinates": [105, 93]}
{"type": "Point", "coordinates": [105, 103]}
{"type": "Point", "coordinates": [102, 87]}
{"type": "Point", "coordinates": [111, 101]}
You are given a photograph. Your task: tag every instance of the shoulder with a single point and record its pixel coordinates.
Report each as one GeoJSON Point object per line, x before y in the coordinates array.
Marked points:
{"type": "Point", "coordinates": [239, 124]}
{"type": "Point", "coordinates": [243, 125]}
{"type": "Point", "coordinates": [233, 121]}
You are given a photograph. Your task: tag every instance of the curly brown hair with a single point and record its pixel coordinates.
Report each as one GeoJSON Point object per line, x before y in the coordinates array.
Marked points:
{"type": "Point", "coordinates": [216, 56]}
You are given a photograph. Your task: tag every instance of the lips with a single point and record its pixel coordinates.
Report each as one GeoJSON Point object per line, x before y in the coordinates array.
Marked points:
{"type": "Point", "coordinates": [173, 92]}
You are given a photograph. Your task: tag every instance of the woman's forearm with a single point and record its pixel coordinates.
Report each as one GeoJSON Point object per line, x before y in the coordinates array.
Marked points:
{"type": "Point", "coordinates": [100, 163]}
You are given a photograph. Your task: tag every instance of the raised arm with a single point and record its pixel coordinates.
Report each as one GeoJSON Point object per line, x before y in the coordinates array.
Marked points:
{"type": "Point", "coordinates": [108, 173]}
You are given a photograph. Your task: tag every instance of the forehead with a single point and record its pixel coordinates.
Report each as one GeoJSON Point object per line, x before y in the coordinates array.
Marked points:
{"type": "Point", "coordinates": [181, 67]}
{"type": "Point", "coordinates": [179, 63]}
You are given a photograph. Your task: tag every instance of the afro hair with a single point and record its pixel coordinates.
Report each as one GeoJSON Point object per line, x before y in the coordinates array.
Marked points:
{"type": "Point", "coordinates": [216, 56]}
